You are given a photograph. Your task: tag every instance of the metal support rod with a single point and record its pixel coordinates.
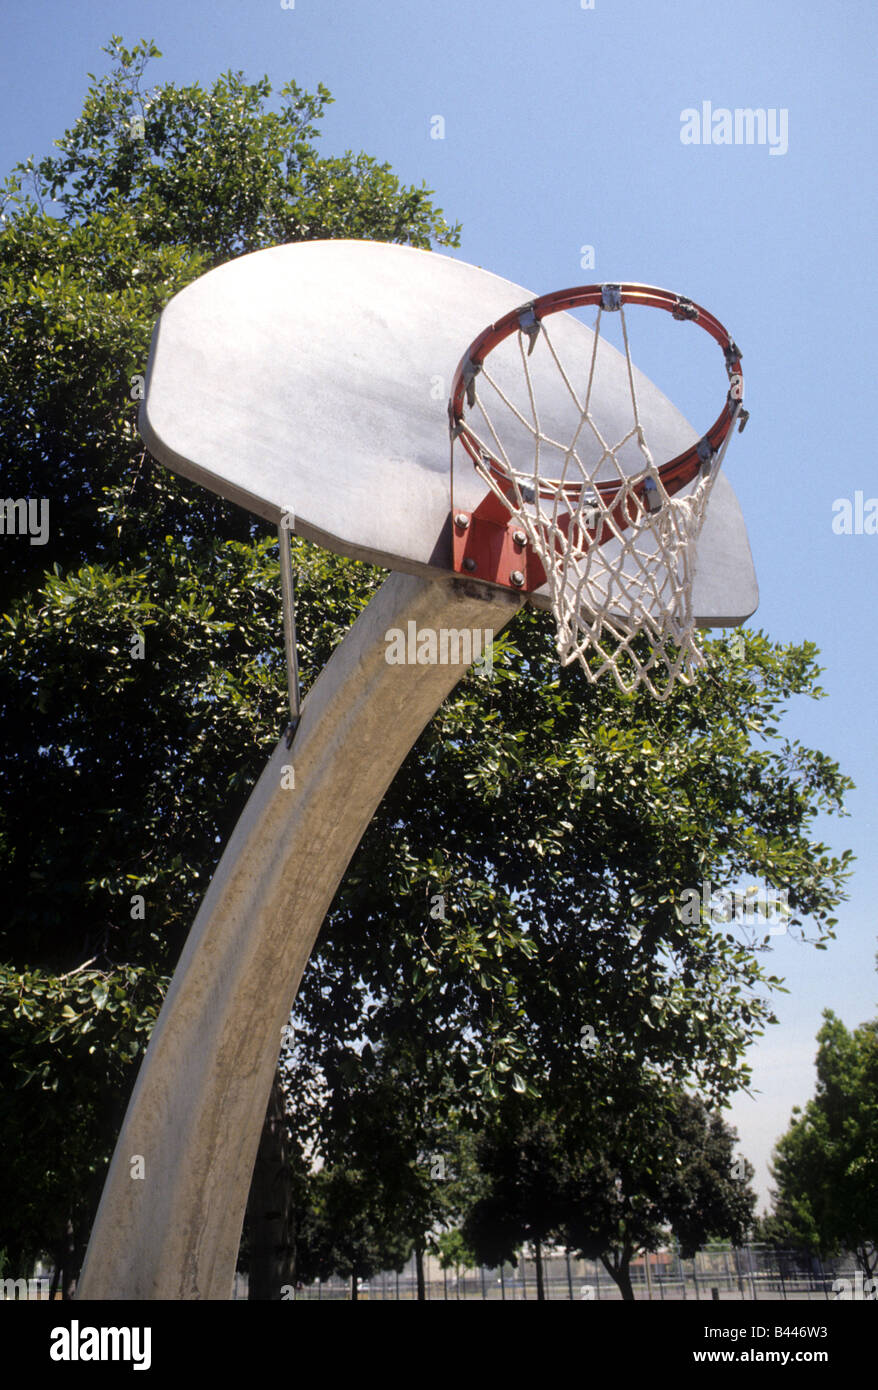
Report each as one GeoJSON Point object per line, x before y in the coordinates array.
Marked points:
{"type": "Point", "coordinates": [289, 607]}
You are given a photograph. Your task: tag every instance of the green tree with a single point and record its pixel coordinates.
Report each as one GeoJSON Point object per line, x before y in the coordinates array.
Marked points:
{"type": "Point", "coordinates": [452, 1252]}
{"type": "Point", "coordinates": [505, 910]}
{"type": "Point", "coordinates": [826, 1164]}
{"type": "Point", "coordinates": [137, 708]}
{"type": "Point", "coordinates": [389, 1112]}
{"type": "Point", "coordinates": [666, 1167]}
{"type": "Point", "coordinates": [348, 1229]}
{"type": "Point", "coordinates": [561, 896]}
{"type": "Point", "coordinates": [609, 1176]}
{"type": "Point", "coordinates": [525, 1179]}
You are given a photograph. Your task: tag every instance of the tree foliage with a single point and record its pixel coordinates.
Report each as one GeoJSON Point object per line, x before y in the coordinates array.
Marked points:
{"type": "Point", "coordinates": [348, 1229]}
{"type": "Point", "coordinates": [126, 766]}
{"type": "Point", "coordinates": [663, 1169]}
{"type": "Point", "coordinates": [525, 1175]}
{"type": "Point", "coordinates": [826, 1164]}
{"type": "Point", "coordinates": [559, 900]}
{"type": "Point", "coordinates": [609, 1177]}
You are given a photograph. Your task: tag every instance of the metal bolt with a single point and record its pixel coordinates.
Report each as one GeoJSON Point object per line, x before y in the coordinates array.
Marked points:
{"type": "Point", "coordinates": [519, 537]}
{"type": "Point", "coordinates": [469, 563]}
{"type": "Point", "coordinates": [461, 520]}
{"type": "Point", "coordinates": [516, 578]}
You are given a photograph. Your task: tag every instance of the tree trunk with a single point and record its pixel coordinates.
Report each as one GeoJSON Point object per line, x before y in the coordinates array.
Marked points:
{"type": "Point", "coordinates": [355, 1292]}
{"type": "Point", "coordinates": [867, 1258]}
{"type": "Point", "coordinates": [623, 1279]}
{"type": "Point", "coordinates": [80, 1241]}
{"type": "Point", "coordinates": [620, 1271]}
{"type": "Point", "coordinates": [272, 1250]}
{"type": "Point", "coordinates": [538, 1253]}
{"type": "Point", "coordinates": [57, 1273]}
{"type": "Point", "coordinates": [70, 1265]}
{"type": "Point", "coordinates": [419, 1267]}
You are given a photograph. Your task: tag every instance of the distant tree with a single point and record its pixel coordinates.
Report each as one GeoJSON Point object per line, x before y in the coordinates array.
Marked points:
{"type": "Point", "coordinates": [666, 1167]}
{"type": "Point", "coordinates": [826, 1164]}
{"type": "Point", "coordinates": [525, 1186]}
{"type": "Point", "coordinates": [389, 1114]}
{"type": "Point", "coordinates": [348, 1229]}
{"type": "Point", "coordinates": [609, 1178]}
{"type": "Point", "coordinates": [452, 1252]}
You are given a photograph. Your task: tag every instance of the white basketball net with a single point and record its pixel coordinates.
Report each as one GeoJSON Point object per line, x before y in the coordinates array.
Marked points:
{"type": "Point", "coordinates": [637, 583]}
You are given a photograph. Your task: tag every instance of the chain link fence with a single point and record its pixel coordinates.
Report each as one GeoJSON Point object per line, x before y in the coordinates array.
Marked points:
{"type": "Point", "coordinates": [721, 1272]}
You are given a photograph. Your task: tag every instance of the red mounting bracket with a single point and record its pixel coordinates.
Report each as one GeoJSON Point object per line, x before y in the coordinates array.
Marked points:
{"type": "Point", "coordinates": [490, 544]}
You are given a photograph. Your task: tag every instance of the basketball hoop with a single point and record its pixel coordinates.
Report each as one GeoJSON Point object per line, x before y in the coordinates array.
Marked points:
{"type": "Point", "coordinates": [614, 546]}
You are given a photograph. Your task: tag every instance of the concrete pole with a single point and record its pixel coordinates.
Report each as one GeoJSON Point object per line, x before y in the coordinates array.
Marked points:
{"type": "Point", "coordinates": [196, 1112]}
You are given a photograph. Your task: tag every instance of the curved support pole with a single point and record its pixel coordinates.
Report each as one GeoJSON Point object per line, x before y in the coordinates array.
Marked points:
{"type": "Point", "coordinates": [197, 1109]}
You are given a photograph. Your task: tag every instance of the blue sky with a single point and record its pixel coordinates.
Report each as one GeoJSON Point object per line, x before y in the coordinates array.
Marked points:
{"type": "Point", "coordinates": [562, 129]}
